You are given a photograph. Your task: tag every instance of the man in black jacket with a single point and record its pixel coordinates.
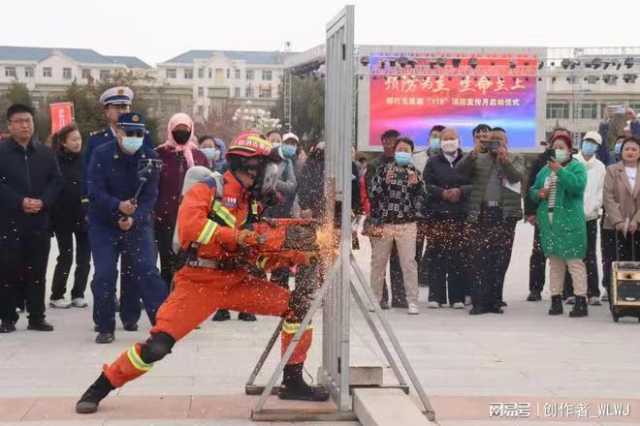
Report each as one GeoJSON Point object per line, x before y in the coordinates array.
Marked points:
{"type": "Point", "coordinates": [445, 214]}
{"type": "Point", "coordinates": [30, 181]}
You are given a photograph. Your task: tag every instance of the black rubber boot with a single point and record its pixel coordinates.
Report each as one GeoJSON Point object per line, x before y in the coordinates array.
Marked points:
{"type": "Point", "coordinates": [295, 388]}
{"type": "Point", "coordinates": [97, 392]}
{"type": "Point", "coordinates": [580, 308]}
{"type": "Point", "coordinates": [221, 315]}
{"type": "Point", "coordinates": [556, 305]}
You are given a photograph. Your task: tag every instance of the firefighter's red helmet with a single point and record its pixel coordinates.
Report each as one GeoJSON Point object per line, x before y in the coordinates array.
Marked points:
{"type": "Point", "coordinates": [250, 144]}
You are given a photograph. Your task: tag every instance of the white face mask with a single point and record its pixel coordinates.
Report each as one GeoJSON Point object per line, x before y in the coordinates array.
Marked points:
{"type": "Point", "coordinates": [450, 146]}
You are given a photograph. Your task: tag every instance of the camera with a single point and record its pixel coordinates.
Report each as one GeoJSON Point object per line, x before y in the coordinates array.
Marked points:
{"type": "Point", "coordinates": [492, 146]}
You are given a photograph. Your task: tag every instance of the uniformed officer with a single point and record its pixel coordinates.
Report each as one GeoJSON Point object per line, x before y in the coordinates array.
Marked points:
{"type": "Point", "coordinates": [116, 101]}
{"type": "Point", "coordinates": [122, 184]}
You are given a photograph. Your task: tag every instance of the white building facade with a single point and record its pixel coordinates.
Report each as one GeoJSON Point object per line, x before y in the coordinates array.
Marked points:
{"type": "Point", "coordinates": [219, 76]}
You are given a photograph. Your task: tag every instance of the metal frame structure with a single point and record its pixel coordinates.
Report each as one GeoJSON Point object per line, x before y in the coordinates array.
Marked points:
{"type": "Point", "coordinates": [339, 287]}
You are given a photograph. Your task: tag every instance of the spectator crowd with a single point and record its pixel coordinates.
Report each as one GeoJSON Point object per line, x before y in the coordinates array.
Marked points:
{"type": "Point", "coordinates": [442, 217]}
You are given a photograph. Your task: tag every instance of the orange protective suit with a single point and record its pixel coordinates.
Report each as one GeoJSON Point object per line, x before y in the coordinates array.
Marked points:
{"type": "Point", "coordinates": [213, 225]}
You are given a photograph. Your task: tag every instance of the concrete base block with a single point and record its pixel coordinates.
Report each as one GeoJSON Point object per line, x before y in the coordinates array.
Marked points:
{"type": "Point", "coordinates": [386, 407]}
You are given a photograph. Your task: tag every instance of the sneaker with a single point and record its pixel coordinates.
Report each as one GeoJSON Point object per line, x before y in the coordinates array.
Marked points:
{"type": "Point", "coordinates": [458, 305]}
{"type": "Point", "coordinates": [245, 316]}
{"type": "Point", "coordinates": [384, 305]}
{"type": "Point", "coordinates": [60, 304]}
{"type": "Point", "coordinates": [130, 326]}
{"type": "Point", "coordinates": [605, 297]}
{"type": "Point", "coordinates": [434, 305]}
{"type": "Point", "coordinates": [7, 327]}
{"type": "Point", "coordinates": [221, 315]}
{"type": "Point", "coordinates": [534, 296]}
{"type": "Point", "coordinates": [41, 325]}
{"type": "Point", "coordinates": [413, 309]}
{"type": "Point", "coordinates": [595, 301]}
{"type": "Point", "coordinates": [104, 338]}
{"type": "Point", "coordinates": [571, 300]}
{"type": "Point", "coordinates": [79, 302]}
{"type": "Point", "coordinates": [467, 301]}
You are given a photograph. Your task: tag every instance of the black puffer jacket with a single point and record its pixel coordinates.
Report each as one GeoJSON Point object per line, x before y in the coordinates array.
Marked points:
{"type": "Point", "coordinates": [439, 175]}
{"type": "Point", "coordinates": [68, 213]}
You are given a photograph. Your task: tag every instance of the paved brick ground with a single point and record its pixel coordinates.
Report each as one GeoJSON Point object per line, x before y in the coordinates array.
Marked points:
{"type": "Point", "coordinates": [465, 364]}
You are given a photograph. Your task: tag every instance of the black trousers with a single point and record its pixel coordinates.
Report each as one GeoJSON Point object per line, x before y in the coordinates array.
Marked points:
{"type": "Point", "coordinates": [398, 296]}
{"type": "Point", "coordinates": [421, 254]}
{"type": "Point", "coordinates": [168, 259]}
{"type": "Point", "coordinates": [591, 263]}
{"type": "Point", "coordinates": [445, 262]}
{"type": "Point", "coordinates": [490, 242]}
{"type": "Point", "coordinates": [537, 264]}
{"type": "Point", "coordinates": [610, 254]}
{"type": "Point", "coordinates": [65, 260]}
{"type": "Point", "coordinates": [24, 260]}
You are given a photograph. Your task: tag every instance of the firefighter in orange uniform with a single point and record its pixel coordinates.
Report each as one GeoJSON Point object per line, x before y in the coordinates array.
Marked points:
{"type": "Point", "coordinates": [215, 231]}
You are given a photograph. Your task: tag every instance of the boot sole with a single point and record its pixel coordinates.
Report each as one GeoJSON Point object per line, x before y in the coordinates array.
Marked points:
{"type": "Point", "coordinates": [287, 397]}
{"type": "Point", "coordinates": [85, 408]}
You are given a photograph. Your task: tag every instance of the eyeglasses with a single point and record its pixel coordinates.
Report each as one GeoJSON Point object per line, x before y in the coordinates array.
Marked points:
{"type": "Point", "coordinates": [134, 133]}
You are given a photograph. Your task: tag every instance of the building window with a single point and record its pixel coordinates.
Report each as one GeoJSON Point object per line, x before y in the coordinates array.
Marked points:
{"type": "Point", "coordinates": [265, 92]}
{"type": "Point", "coordinates": [228, 73]}
{"type": "Point", "coordinates": [267, 75]}
{"type": "Point", "coordinates": [237, 73]}
{"type": "Point", "coordinates": [10, 72]}
{"type": "Point", "coordinates": [236, 92]}
{"type": "Point", "coordinates": [188, 73]}
{"type": "Point", "coordinates": [588, 111]}
{"type": "Point", "coordinates": [635, 107]}
{"type": "Point", "coordinates": [200, 91]}
{"type": "Point", "coordinates": [248, 92]}
{"type": "Point", "coordinates": [28, 72]}
{"type": "Point", "coordinates": [200, 72]}
{"type": "Point", "coordinates": [557, 110]}
{"type": "Point", "coordinates": [210, 73]}
{"type": "Point", "coordinates": [46, 72]}
{"type": "Point", "coordinates": [66, 73]}
{"type": "Point", "coordinates": [86, 74]}
{"type": "Point", "coordinates": [172, 73]}
{"type": "Point", "coordinates": [250, 74]}
{"type": "Point", "coordinates": [105, 74]}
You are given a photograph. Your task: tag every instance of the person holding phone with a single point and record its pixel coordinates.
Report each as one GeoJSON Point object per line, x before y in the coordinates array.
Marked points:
{"type": "Point", "coordinates": [559, 192]}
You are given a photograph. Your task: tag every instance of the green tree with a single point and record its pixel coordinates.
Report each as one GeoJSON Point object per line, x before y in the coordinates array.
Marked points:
{"type": "Point", "coordinates": [307, 107]}
{"type": "Point", "coordinates": [18, 93]}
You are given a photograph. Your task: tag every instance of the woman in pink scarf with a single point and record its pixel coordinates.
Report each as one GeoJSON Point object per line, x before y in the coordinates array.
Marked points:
{"type": "Point", "coordinates": [178, 153]}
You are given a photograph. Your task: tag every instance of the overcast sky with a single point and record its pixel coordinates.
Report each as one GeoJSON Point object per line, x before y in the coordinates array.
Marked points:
{"type": "Point", "coordinates": [159, 30]}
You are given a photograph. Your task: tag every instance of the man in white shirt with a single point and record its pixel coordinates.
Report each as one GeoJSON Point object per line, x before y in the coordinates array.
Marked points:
{"type": "Point", "coordinates": [593, 193]}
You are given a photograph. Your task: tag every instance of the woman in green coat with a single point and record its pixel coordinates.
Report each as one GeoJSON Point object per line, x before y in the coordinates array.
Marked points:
{"type": "Point", "coordinates": [559, 191]}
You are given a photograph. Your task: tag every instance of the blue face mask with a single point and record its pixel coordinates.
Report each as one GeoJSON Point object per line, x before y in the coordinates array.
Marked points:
{"type": "Point", "coordinates": [402, 158]}
{"type": "Point", "coordinates": [131, 144]}
{"type": "Point", "coordinates": [289, 151]}
{"type": "Point", "coordinates": [212, 154]}
{"type": "Point", "coordinates": [618, 147]}
{"type": "Point", "coordinates": [589, 148]}
{"type": "Point", "coordinates": [434, 144]}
